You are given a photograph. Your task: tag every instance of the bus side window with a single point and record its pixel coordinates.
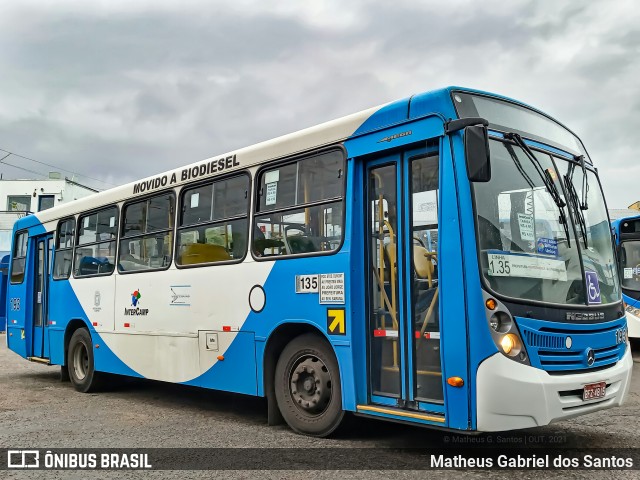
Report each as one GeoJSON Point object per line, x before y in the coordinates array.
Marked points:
{"type": "Point", "coordinates": [65, 237]}
{"type": "Point", "coordinates": [213, 226]}
{"type": "Point", "coordinates": [146, 237]}
{"type": "Point", "coordinates": [299, 207]}
{"type": "Point", "coordinates": [96, 243]}
{"type": "Point", "coordinates": [19, 258]}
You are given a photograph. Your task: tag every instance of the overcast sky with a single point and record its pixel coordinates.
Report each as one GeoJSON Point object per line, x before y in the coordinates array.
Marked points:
{"type": "Point", "coordinates": [119, 90]}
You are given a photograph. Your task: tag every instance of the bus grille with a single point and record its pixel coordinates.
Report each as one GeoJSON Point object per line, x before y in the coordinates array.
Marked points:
{"type": "Point", "coordinates": [559, 348]}
{"type": "Point", "coordinates": [544, 341]}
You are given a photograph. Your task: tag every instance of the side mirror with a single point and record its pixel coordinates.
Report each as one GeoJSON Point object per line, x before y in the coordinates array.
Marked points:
{"type": "Point", "coordinates": [476, 151]}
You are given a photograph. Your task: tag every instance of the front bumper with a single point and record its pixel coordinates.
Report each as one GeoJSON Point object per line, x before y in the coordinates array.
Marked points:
{"type": "Point", "coordinates": [511, 395]}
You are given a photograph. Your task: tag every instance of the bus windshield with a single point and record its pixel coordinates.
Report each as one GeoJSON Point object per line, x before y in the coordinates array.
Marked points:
{"type": "Point", "coordinates": [519, 119]}
{"type": "Point", "coordinates": [630, 262]}
{"type": "Point", "coordinates": [530, 247]}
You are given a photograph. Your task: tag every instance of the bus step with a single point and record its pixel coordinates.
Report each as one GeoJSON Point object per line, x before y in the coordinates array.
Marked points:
{"type": "Point", "coordinates": [419, 372]}
{"type": "Point", "coordinates": [398, 412]}
{"type": "Point", "coordinates": [44, 361]}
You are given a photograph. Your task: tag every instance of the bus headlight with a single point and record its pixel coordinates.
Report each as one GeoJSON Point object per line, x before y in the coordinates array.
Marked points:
{"type": "Point", "coordinates": [510, 344]}
{"type": "Point", "coordinates": [504, 331]}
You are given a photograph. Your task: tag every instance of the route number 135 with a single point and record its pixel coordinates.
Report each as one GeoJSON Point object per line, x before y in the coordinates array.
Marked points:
{"type": "Point", "coordinates": [306, 283]}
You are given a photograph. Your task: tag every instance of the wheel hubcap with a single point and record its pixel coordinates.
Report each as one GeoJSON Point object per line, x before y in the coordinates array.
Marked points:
{"type": "Point", "coordinates": [80, 361]}
{"type": "Point", "coordinates": [310, 384]}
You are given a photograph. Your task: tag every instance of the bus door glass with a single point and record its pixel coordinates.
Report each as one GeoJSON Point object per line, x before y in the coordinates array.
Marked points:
{"type": "Point", "coordinates": [403, 325]}
{"type": "Point", "coordinates": [423, 279]}
{"type": "Point", "coordinates": [40, 295]}
{"type": "Point", "coordinates": [385, 345]}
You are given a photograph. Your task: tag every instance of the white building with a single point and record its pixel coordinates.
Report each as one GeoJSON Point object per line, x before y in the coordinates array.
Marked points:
{"type": "Point", "coordinates": [21, 197]}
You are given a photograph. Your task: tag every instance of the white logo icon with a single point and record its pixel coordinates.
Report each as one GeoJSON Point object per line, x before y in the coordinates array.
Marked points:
{"type": "Point", "coordinates": [23, 459]}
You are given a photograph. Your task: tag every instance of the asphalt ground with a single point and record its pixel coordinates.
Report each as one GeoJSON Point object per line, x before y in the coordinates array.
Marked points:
{"type": "Point", "coordinates": [37, 410]}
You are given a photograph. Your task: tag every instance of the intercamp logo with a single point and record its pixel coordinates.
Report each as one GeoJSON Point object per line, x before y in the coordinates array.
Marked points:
{"type": "Point", "coordinates": [23, 459]}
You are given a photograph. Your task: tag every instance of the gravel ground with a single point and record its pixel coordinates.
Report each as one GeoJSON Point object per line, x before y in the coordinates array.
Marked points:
{"type": "Point", "coordinates": [38, 411]}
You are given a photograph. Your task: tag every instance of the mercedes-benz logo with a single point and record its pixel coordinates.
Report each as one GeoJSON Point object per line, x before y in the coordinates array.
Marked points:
{"type": "Point", "coordinates": [591, 356]}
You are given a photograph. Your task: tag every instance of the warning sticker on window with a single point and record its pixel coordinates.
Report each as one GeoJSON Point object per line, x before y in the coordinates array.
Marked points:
{"type": "Point", "coordinates": [332, 288]}
{"type": "Point", "coordinates": [547, 246]}
{"type": "Point", "coordinates": [272, 193]}
{"type": "Point", "coordinates": [593, 288]}
{"type": "Point", "coordinates": [526, 226]}
{"type": "Point", "coordinates": [628, 273]}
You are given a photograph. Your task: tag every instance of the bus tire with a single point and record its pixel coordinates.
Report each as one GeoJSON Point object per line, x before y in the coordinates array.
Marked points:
{"type": "Point", "coordinates": [80, 362]}
{"type": "Point", "coordinates": [307, 386]}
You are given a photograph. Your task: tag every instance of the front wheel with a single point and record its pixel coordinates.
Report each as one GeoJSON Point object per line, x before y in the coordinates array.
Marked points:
{"type": "Point", "coordinates": [80, 362]}
{"type": "Point", "coordinates": [307, 386]}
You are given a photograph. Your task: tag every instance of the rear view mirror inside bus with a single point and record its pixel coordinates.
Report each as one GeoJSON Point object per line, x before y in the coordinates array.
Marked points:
{"type": "Point", "coordinates": [476, 150]}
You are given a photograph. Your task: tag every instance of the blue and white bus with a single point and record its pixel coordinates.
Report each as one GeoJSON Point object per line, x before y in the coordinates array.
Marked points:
{"type": "Point", "coordinates": [627, 234]}
{"type": "Point", "coordinates": [443, 260]}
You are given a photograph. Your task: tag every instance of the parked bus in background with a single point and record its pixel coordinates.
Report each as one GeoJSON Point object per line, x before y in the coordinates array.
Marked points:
{"type": "Point", "coordinates": [443, 260]}
{"type": "Point", "coordinates": [627, 234]}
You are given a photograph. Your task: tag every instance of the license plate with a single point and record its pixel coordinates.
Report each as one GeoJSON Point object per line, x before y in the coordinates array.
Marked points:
{"type": "Point", "coordinates": [594, 391]}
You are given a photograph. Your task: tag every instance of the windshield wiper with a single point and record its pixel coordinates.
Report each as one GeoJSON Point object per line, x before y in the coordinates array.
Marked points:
{"type": "Point", "coordinates": [585, 183]}
{"type": "Point", "coordinates": [519, 166]}
{"type": "Point", "coordinates": [576, 205]}
{"type": "Point", "coordinates": [546, 178]}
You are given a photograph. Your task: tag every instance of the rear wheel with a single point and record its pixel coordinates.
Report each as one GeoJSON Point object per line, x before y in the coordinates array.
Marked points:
{"type": "Point", "coordinates": [307, 386]}
{"type": "Point", "coordinates": [80, 362]}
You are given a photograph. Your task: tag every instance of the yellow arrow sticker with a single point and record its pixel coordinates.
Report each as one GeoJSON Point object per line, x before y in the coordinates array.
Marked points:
{"type": "Point", "coordinates": [22, 334]}
{"type": "Point", "coordinates": [336, 323]}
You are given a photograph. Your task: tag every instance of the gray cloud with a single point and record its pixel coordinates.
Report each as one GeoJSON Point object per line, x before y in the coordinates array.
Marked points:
{"type": "Point", "coordinates": [126, 90]}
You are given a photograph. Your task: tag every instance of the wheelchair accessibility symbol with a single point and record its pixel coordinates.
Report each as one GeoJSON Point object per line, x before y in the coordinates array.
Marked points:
{"type": "Point", "coordinates": [593, 288]}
